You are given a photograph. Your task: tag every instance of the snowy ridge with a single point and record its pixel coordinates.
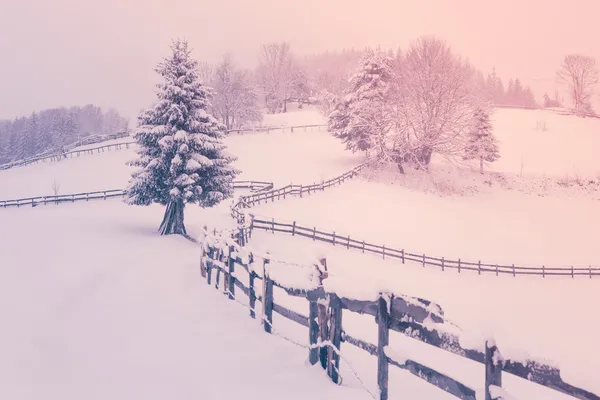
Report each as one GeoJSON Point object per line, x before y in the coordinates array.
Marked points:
{"type": "Point", "coordinates": [414, 317]}
{"type": "Point", "coordinates": [83, 142]}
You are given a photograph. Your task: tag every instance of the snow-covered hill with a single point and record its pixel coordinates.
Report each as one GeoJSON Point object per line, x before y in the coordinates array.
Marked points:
{"type": "Point", "coordinates": [107, 307]}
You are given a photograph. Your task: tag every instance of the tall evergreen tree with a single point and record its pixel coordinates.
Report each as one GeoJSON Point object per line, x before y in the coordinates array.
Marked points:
{"type": "Point", "coordinates": [481, 142]}
{"type": "Point", "coordinates": [181, 155]}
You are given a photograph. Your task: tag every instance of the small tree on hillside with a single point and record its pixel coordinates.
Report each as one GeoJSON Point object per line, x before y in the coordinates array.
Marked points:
{"type": "Point", "coordinates": [481, 142]}
{"type": "Point", "coordinates": [181, 156]}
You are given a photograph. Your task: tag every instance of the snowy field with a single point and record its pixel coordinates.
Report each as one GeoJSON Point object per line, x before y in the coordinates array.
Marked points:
{"type": "Point", "coordinates": [109, 310]}
{"type": "Point", "coordinates": [126, 311]}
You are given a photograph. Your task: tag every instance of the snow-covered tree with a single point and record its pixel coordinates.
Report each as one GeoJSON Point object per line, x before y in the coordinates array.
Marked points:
{"type": "Point", "coordinates": [581, 74]}
{"type": "Point", "coordinates": [181, 157]}
{"type": "Point", "coordinates": [481, 143]}
{"type": "Point", "coordinates": [363, 118]}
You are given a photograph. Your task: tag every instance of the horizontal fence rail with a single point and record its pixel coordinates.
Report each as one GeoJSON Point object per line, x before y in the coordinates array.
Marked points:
{"type": "Point", "coordinates": [414, 317]}
{"type": "Point", "coordinates": [282, 128]}
{"type": "Point", "coordinates": [106, 194]}
{"type": "Point", "coordinates": [400, 254]}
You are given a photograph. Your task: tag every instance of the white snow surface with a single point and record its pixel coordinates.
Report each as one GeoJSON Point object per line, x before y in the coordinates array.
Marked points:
{"type": "Point", "coordinates": [108, 309]}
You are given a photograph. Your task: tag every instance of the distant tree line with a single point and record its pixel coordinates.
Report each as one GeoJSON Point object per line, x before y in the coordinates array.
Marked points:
{"type": "Point", "coordinates": [50, 130]}
{"type": "Point", "coordinates": [514, 94]}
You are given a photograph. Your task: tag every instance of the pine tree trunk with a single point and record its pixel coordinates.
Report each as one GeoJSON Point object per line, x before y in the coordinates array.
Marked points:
{"type": "Point", "coordinates": [172, 222]}
{"type": "Point", "coordinates": [481, 165]}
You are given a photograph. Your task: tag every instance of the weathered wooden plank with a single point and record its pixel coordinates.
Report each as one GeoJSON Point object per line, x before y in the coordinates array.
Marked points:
{"type": "Point", "coordinates": [291, 315]}
{"type": "Point", "coordinates": [440, 380]}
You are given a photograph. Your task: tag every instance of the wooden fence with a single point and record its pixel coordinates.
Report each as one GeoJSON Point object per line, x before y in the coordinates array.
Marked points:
{"type": "Point", "coordinates": [420, 258]}
{"type": "Point", "coordinates": [106, 194]}
{"type": "Point", "coordinates": [414, 317]}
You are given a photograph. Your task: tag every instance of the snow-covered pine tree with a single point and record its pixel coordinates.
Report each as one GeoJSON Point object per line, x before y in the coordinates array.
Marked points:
{"type": "Point", "coordinates": [361, 118]}
{"type": "Point", "coordinates": [481, 142]}
{"type": "Point", "coordinates": [181, 155]}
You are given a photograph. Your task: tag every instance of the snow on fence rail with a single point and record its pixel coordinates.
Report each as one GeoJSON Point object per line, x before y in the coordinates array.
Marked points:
{"type": "Point", "coordinates": [105, 194]}
{"type": "Point", "coordinates": [416, 318]}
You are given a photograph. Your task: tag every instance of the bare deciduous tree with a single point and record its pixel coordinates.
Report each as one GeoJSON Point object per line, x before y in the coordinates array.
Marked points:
{"type": "Point", "coordinates": [435, 99]}
{"type": "Point", "coordinates": [235, 102]}
{"type": "Point", "coordinates": [206, 72]}
{"type": "Point", "coordinates": [581, 75]}
{"type": "Point", "coordinates": [276, 74]}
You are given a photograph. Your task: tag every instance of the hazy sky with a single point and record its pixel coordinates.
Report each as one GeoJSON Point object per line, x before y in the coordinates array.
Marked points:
{"type": "Point", "coordinates": [74, 52]}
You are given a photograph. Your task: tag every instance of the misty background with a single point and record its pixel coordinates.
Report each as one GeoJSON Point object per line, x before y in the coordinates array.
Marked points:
{"type": "Point", "coordinates": [73, 52]}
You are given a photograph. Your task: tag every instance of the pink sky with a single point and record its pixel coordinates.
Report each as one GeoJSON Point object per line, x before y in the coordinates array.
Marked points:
{"type": "Point", "coordinates": [65, 52]}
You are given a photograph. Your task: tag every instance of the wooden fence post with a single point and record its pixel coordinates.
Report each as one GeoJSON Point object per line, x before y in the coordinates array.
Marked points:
{"type": "Point", "coordinates": [383, 339]}
{"type": "Point", "coordinates": [293, 228]}
{"type": "Point", "coordinates": [251, 294]}
{"type": "Point", "coordinates": [267, 299]}
{"type": "Point", "coordinates": [335, 336]}
{"type": "Point", "coordinates": [230, 275]}
{"type": "Point", "coordinates": [313, 333]}
{"type": "Point", "coordinates": [314, 233]}
{"type": "Point", "coordinates": [211, 252]}
{"type": "Point", "coordinates": [323, 318]}
{"type": "Point", "coordinates": [493, 368]}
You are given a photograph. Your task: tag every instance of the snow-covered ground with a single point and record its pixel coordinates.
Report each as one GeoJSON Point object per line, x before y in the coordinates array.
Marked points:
{"type": "Point", "coordinates": [108, 309]}
{"type": "Point", "coordinates": [108, 292]}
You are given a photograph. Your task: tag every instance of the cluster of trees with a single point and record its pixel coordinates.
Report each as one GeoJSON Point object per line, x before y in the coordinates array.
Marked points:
{"type": "Point", "coordinates": [51, 129]}
{"type": "Point", "coordinates": [403, 108]}
{"type": "Point", "coordinates": [514, 94]}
